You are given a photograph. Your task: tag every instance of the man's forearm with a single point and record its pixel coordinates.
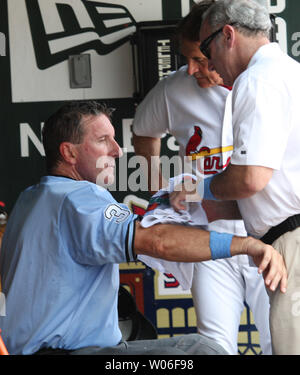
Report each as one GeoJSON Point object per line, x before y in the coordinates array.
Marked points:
{"type": "Point", "coordinates": [149, 148]}
{"type": "Point", "coordinates": [186, 244]}
{"type": "Point", "coordinates": [179, 243]}
{"type": "Point", "coordinates": [239, 181]}
{"type": "Point", "coordinates": [221, 210]}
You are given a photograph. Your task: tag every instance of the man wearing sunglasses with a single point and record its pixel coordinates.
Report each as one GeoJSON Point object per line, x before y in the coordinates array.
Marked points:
{"type": "Point", "coordinates": [264, 171]}
{"type": "Point", "coordinates": [189, 104]}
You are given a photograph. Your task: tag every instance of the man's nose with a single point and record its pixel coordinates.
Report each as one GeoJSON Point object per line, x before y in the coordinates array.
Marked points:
{"type": "Point", "coordinates": [192, 67]}
{"type": "Point", "coordinates": [116, 150]}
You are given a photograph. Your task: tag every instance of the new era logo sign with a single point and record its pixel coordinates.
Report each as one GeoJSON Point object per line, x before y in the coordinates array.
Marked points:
{"type": "Point", "coordinates": [43, 34]}
{"type": "Point", "coordinates": [61, 28]}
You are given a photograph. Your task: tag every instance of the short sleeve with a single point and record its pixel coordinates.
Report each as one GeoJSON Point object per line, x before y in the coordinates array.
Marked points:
{"type": "Point", "coordinates": [95, 229]}
{"type": "Point", "coordinates": [260, 121]}
{"type": "Point", "coordinates": [151, 117]}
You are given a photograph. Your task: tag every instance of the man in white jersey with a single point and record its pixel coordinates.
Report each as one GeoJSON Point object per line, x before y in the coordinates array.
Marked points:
{"type": "Point", "coordinates": [189, 104]}
{"type": "Point", "coordinates": [264, 171]}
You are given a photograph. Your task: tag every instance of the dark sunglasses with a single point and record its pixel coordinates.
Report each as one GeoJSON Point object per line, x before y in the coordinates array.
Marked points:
{"type": "Point", "coordinates": [206, 42]}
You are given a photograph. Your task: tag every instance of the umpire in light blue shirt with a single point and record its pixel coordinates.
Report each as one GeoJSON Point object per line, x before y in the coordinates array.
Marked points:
{"type": "Point", "coordinates": [66, 236]}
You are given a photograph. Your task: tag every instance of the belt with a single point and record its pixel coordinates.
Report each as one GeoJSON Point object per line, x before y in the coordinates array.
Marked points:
{"type": "Point", "coordinates": [287, 225]}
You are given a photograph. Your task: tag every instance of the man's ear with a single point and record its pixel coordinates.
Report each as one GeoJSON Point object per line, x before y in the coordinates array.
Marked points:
{"type": "Point", "coordinates": [230, 35]}
{"type": "Point", "coordinates": [68, 152]}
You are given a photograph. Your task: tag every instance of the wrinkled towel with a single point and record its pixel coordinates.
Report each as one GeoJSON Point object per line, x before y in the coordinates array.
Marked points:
{"type": "Point", "coordinates": [159, 211]}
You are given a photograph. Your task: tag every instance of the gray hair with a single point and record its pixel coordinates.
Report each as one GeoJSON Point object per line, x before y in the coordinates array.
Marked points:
{"type": "Point", "coordinates": [250, 17]}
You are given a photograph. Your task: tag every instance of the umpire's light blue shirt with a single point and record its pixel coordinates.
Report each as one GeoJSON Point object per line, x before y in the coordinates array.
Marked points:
{"type": "Point", "coordinates": [59, 266]}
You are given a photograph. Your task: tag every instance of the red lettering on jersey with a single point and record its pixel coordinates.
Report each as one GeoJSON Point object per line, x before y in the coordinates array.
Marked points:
{"type": "Point", "coordinates": [208, 165]}
{"type": "Point", "coordinates": [212, 164]}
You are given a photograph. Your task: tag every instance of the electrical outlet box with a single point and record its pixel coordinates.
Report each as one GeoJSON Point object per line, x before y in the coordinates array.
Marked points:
{"type": "Point", "coordinates": [80, 71]}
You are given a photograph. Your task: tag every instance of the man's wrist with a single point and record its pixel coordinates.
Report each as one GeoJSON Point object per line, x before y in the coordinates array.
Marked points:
{"type": "Point", "coordinates": [220, 245]}
{"type": "Point", "coordinates": [239, 245]}
{"type": "Point", "coordinates": [207, 193]}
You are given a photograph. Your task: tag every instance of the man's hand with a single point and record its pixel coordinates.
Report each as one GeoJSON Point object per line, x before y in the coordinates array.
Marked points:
{"type": "Point", "coordinates": [185, 192]}
{"type": "Point", "coordinates": [269, 262]}
{"type": "Point", "coordinates": [215, 210]}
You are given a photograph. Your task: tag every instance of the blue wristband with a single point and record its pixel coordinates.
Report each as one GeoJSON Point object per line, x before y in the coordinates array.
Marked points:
{"type": "Point", "coordinates": [219, 244]}
{"type": "Point", "coordinates": [207, 194]}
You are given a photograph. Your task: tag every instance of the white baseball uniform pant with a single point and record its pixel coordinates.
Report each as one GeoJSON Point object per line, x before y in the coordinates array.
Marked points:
{"type": "Point", "coordinates": [219, 290]}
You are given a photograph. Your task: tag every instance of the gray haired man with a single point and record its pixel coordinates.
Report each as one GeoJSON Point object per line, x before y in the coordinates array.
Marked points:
{"type": "Point", "coordinates": [264, 171]}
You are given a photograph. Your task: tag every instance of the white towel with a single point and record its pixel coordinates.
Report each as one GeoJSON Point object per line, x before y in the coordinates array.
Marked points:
{"type": "Point", "coordinates": [159, 211]}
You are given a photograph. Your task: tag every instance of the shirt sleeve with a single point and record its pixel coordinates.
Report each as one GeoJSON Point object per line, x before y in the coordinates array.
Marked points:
{"type": "Point", "coordinates": [151, 118]}
{"type": "Point", "coordinates": [95, 229]}
{"type": "Point", "coordinates": [260, 123]}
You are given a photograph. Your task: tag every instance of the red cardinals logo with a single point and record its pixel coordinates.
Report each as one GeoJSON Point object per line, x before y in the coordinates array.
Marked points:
{"type": "Point", "coordinates": [194, 142]}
